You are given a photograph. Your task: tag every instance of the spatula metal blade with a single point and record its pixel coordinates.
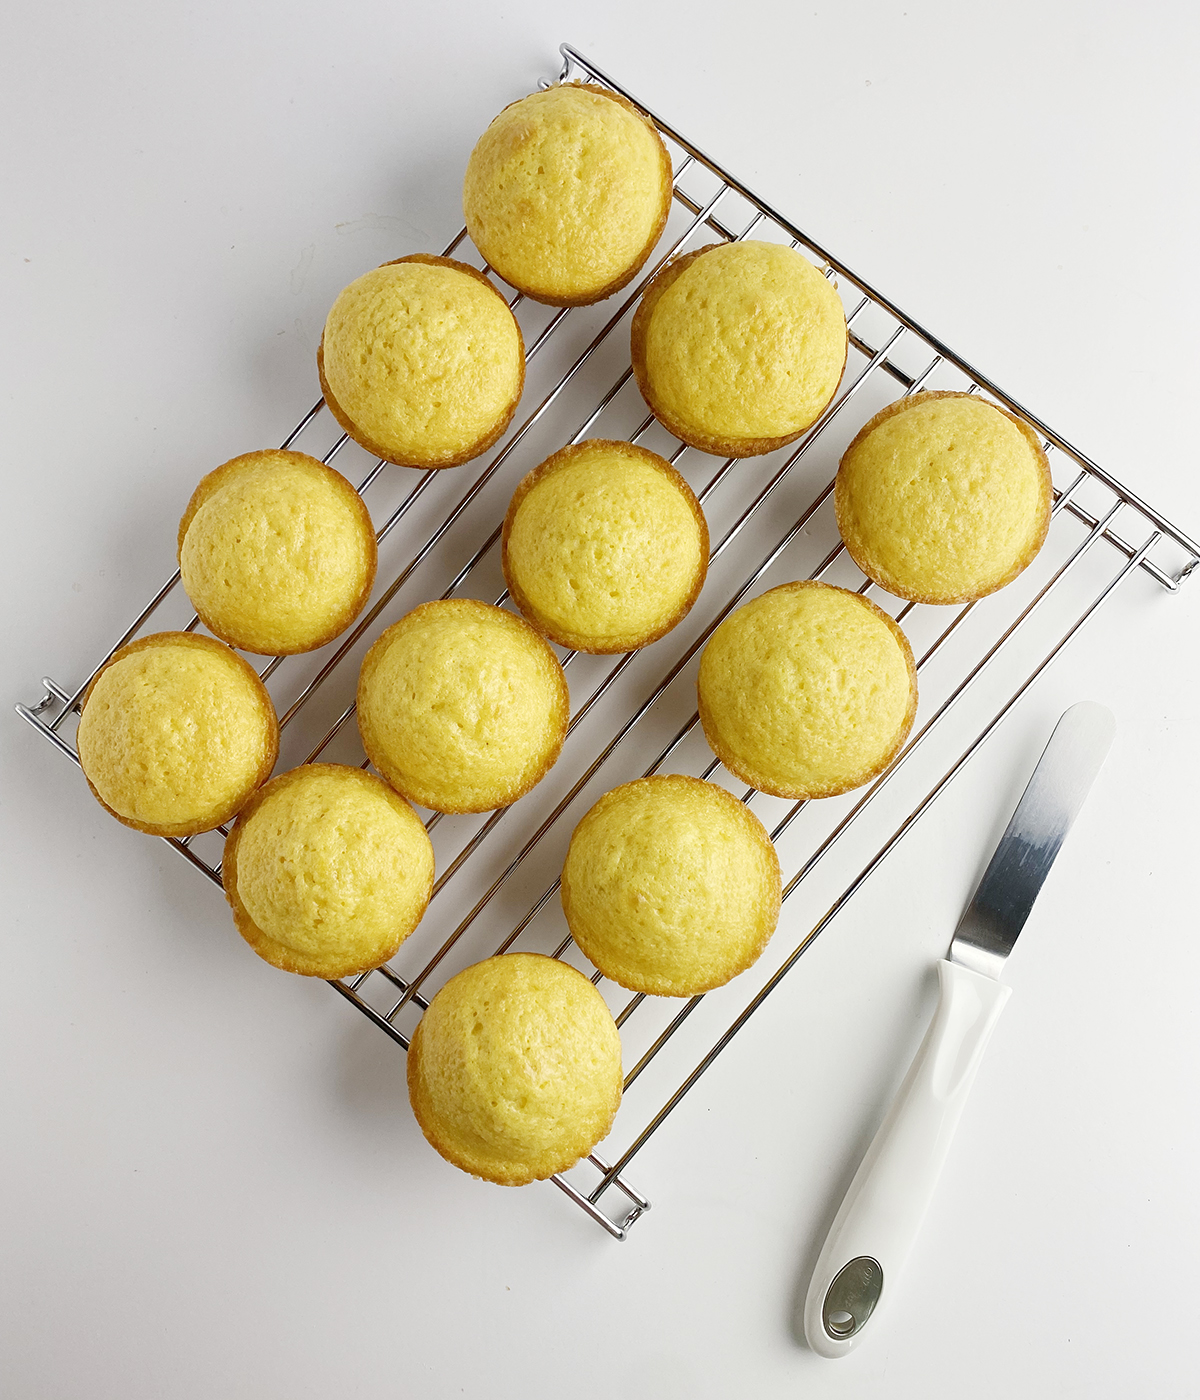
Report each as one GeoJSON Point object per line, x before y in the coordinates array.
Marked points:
{"type": "Point", "coordinates": [1060, 782]}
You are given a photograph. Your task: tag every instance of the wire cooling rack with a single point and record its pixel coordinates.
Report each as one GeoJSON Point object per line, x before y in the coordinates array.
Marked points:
{"type": "Point", "coordinates": [771, 520]}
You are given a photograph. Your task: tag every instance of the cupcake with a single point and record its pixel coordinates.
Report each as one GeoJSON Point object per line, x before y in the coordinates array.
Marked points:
{"type": "Point", "coordinates": [943, 498]}
{"type": "Point", "coordinates": [605, 547]}
{"type": "Point", "coordinates": [462, 707]}
{"type": "Point", "coordinates": [514, 1071]}
{"type": "Point", "coordinates": [276, 552]}
{"type": "Point", "coordinates": [422, 362]}
{"type": "Point", "coordinates": [327, 871]}
{"type": "Point", "coordinates": [738, 347]}
{"type": "Point", "coordinates": [567, 192]}
{"type": "Point", "coordinates": [671, 886]}
{"type": "Point", "coordinates": [176, 734]}
{"type": "Point", "coordinates": [807, 691]}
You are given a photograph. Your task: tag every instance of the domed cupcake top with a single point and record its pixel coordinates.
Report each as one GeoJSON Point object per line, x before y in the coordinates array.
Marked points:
{"type": "Point", "coordinates": [422, 362]}
{"type": "Point", "coordinates": [605, 547]}
{"type": "Point", "coordinates": [943, 498]}
{"type": "Point", "coordinates": [327, 871]}
{"type": "Point", "coordinates": [670, 886]}
{"type": "Point", "coordinates": [462, 707]}
{"type": "Point", "coordinates": [738, 347]}
{"type": "Point", "coordinates": [807, 691]}
{"type": "Point", "coordinates": [176, 733]}
{"type": "Point", "coordinates": [277, 552]}
{"type": "Point", "coordinates": [567, 192]}
{"type": "Point", "coordinates": [514, 1071]}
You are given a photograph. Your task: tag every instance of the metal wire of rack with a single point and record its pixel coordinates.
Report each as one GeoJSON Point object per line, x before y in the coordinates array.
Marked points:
{"type": "Point", "coordinates": [975, 661]}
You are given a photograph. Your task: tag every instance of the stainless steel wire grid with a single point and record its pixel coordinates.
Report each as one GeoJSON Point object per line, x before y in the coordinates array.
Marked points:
{"type": "Point", "coordinates": [771, 520]}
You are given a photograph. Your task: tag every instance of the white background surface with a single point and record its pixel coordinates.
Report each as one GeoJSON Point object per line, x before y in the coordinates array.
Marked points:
{"type": "Point", "coordinates": [210, 1183]}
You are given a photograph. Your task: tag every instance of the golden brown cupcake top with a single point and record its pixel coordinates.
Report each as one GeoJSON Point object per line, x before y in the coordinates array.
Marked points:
{"type": "Point", "coordinates": [462, 706]}
{"type": "Point", "coordinates": [807, 691]}
{"type": "Point", "coordinates": [327, 871]}
{"type": "Point", "coordinates": [671, 886]}
{"type": "Point", "coordinates": [276, 552]}
{"type": "Point", "coordinates": [943, 497]}
{"type": "Point", "coordinates": [605, 547]}
{"type": "Point", "coordinates": [567, 192]}
{"type": "Point", "coordinates": [176, 733]}
{"type": "Point", "coordinates": [738, 347]}
{"type": "Point", "coordinates": [422, 362]}
{"type": "Point", "coordinates": [514, 1071]}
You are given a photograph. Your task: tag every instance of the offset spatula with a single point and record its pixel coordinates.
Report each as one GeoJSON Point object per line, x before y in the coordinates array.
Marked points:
{"type": "Point", "coordinates": [874, 1229]}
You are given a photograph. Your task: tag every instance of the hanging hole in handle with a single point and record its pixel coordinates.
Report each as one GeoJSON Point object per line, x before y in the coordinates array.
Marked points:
{"type": "Point", "coordinates": [851, 1298]}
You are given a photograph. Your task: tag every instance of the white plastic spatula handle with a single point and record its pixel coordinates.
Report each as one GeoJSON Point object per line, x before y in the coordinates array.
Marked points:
{"type": "Point", "coordinates": [874, 1230]}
